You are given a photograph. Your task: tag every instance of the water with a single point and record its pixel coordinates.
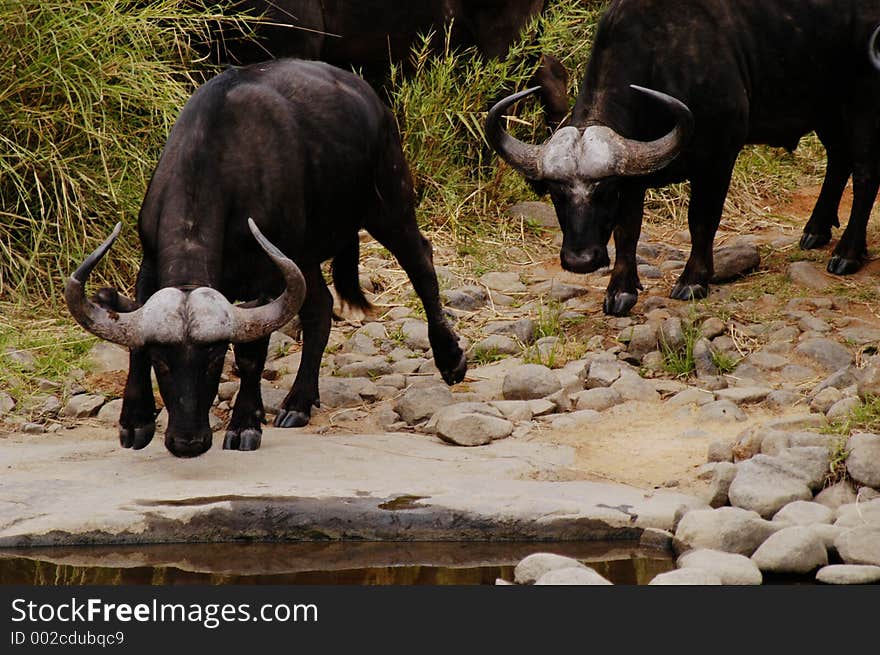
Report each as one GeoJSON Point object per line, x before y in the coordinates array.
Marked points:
{"type": "Point", "coordinates": [324, 563]}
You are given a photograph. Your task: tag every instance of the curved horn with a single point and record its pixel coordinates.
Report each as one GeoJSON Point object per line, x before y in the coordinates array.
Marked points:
{"type": "Point", "coordinates": [123, 329]}
{"type": "Point", "coordinates": [873, 45]}
{"type": "Point", "coordinates": [523, 157]}
{"type": "Point", "coordinates": [643, 157]}
{"type": "Point", "coordinates": [256, 323]}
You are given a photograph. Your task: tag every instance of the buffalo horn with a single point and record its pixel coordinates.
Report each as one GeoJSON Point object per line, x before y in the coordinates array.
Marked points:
{"type": "Point", "coordinates": [523, 157]}
{"type": "Point", "coordinates": [873, 46]}
{"type": "Point", "coordinates": [123, 329]}
{"type": "Point", "coordinates": [258, 322]}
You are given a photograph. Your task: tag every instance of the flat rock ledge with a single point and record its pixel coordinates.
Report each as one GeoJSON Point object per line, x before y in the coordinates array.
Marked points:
{"type": "Point", "coordinates": [302, 486]}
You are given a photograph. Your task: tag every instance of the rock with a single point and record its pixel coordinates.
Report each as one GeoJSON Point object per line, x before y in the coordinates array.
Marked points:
{"type": "Point", "coordinates": [640, 340]}
{"type": "Point", "coordinates": [802, 512]}
{"type": "Point", "coordinates": [111, 412]}
{"type": "Point", "coordinates": [859, 546]}
{"type": "Point", "coordinates": [23, 359]}
{"type": "Point", "coordinates": [782, 399]}
{"type": "Point", "coordinates": [468, 298]}
{"type": "Point", "coordinates": [719, 486]}
{"type": "Point", "coordinates": [720, 450]}
{"type": "Point", "coordinates": [535, 212]}
{"type": "Point", "coordinates": [686, 577]}
{"type": "Point", "coordinates": [105, 356]}
{"type": "Point", "coordinates": [813, 324]}
{"type": "Point", "coordinates": [344, 392]}
{"type": "Point", "coordinates": [671, 334]}
{"type": "Point", "coordinates": [415, 334]}
{"type": "Point", "coordinates": [33, 428]}
{"type": "Point", "coordinates": [691, 396]}
{"type": "Point", "coordinates": [806, 274]}
{"type": "Point", "coordinates": [848, 574]}
{"type": "Point", "coordinates": [767, 361]}
{"type": "Point", "coordinates": [575, 420]}
{"type": "Point", "coordinates": [863, 462]}
{"type": "Point", "coordinates": [7, 403]}
{"type": "Point", "coordinates": [280, 344]}
{"type": "Point", "coordinates": [723, 411]}
{"type": "Point", "coordinates": [795, 549]}
{"type": "Point", "coordinates": [422, 401]}
{"type": "Point", "coordinates": [731, 568]}
{"type": "Point", "coordinates": [602, 373]}
{"type": "Point", "coordinates": [635, 388]}
{"type": "Point", "coordinates": [529, 381]}
{"type": "Point", "coordinates": [764, 484]}
{"type": "Point", "coordinates": [522, 329]}
{"type": "Point", "coordinates": [535, 565]}
{"type": "Point", "coordinates": [703, 361]}
{"type": "Point", "coordinates": [469, 424]}
{"type": "Point", "coordinates": [729, 529]}
{"type": "Point", "coordinates": [505, 282]}
{"type": "Point", "coordinates": [579, 575]}
{"type": "Point", "coordinates": [860, 513]}
{"type": "Point", "coordinates": [836, 495]}
{"type": "Point", "coordinates": [366, 368]}
{"type": "Point", "coordinates": [598, 399]}
{"type": "Point", "coordinates": [82, 406]}
{"type": "Point", "coordinates": [743, 395]}
{"type": "Point", "coordinates": [829, 354]}
{"type": "Point", "coordinates": [842, 408]}
{"type": "Point", "coordinates": [558, 291]}
{"type": "Point", "coordinates": [861, 336]}
{"type": "Point", "coordinates": [515, 411]}
{"type": "Point", "coordinates": [825, 399]}
{"type": "Point", "coordinates": [712, 327]}
{"type": "Point", "coordinates": [734, 261]}
{"type": "Point", "coordinates": [497, 344]}
{"type": "Point", "coordinates": [810, 462]}
{"type": "Point", "coordinates": [542, 407]}
{"type": "Point", "coordinates": [361, 344]}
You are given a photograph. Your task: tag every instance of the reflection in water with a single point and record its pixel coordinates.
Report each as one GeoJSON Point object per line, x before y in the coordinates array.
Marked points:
{"type": "Point", "coordinates": [371, 563]}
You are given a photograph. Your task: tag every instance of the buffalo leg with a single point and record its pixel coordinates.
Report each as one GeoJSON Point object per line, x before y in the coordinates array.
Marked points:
{"type": "Point", "coordinates": [245, 427]}
{"type": "Point", "coordinates": [623, 289]}
{"type": "Point", "coordinates": [708, 191]}
{"type": "Point", "coordinates": [414, 254]}
{"type": "Point", "coordinates": [137, 421]}
{"type": "Point", "coordinates": [850, 253]}
{"type": "Point", "coordinates": [817, 231]}
{"type": "Point", "coordinates": [314, 316]}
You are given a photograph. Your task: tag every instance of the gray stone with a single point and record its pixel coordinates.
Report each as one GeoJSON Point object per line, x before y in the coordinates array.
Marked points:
{"type": "Point", "coordinates": [344, 392]}
{"type": "Point", "coordinates": [861, 336]}
{"type": "Point", "coordinates": [720, 450]}
{"type": "Point", "coordinates": [514, 410]}
{"type": "Point", "coordinates": [33, 428]}
{"type": "Point", "coordinates": [734, 261]}
{"type": "Point", "coordinates": [415, 334]}
{"type": "Point", "coordinates": [859, 513]}
{"type": "Point", "coordinates": [774, 442]}
{"type": "Point", "coordinates": [111, 412]}
{"type": "Point", "coordinates": [23, 359]}
{"type": "Point", "coordinates": [825, 399]}
{"type": "Point", "coordinates": [640, 339]}
{"type": "Point", "coordinates": [712, 327]}
{"type": "Point", "coordinates": [535, 212]}
{"type": "Point", "coordinates": [468, 298]}
{"type": "Point", "coordinates": [719, 486]}
{"type": "Point", "coordinates": [556, 290]}
{"type": "Point", "coordinates": [810, 462]}
{"type": "Point", "coordinates": [723, 411]}
{"type": "Point", "coordinates": [529, 381]}
{"type": "Point", "coordinates": [863, 462]}
{"type": "Point", "coordinates": [859, 546]}
{"type": "Point", "coordinates": [829, 354]}
{"type": "Point", "coordinates": [360, 344]}
{"type": "Point", "coordinates": [767, 361]}
{"type": "Point", "coordinates": [671, 334]}
{"type": "Point", "coordinates": [796, 549]}
{"type": "Point", "coordinates": [691, 396]}
{"type": "Point", "coordinates": [869, 378]}
{"type": "Point", "coordinates": [497, 344]}
{"type": "Point", "coordinates": [730, 529]}
{"type": "Point", "coordinates": [842, 408]}
{"type": "Point", "coordinates": [602, 373]}
{"type": "Point", "coordinates": [7, 403]}
{"type": "Point", "coordinates": [764, 484]}
{"type": "Point", "coordinates": [813, 324]}
{"type": "Point", "coordinates": [807, 274]}
{"type": "Point", "coordinates": [422, 401]}
{"type": "Point", "coordinates": [703, 361]}
{"type": "Point", "coordinates": [649, 272]}
{"type": "Point", "coordinates": [369, 367]}
{"type": "Point", "coordinates": [470, 424]}
{"type": "Point", "coordinates": [280, 344]}
{"type": "Point", "coordinates": [533, 566]}
{"type": "Point", "coordinates": [635, 388]}
{"type": "Point", "coordinates": [836, 495]}
{"type": "Point", "coordinates": [743, 395]}
{"type": "Point", "coordinates": [574, 420]}
{"type": "Point", "coordinates": [522, 329]}
{"type": "Point", "coordinates": [104, 357]}
{"type": "Point", "coordinates": [848, 574]}
{"type": "Point", "coordinates": [802, 512]}
{"type": "Point", "coordinates": [542, 407]}
{"type": "Point", "coordinates": [503, 281]}
{"type": "Point", "coordinates": [82, 406]}
{"type": "Point", "coordinates": [579, 575]}
{"type": "Point", "coordinates": [685, 577]}
{"type": "Point", "coordinates": [731, 568]}
{"type": "Point", "coordinates": [598, 399]}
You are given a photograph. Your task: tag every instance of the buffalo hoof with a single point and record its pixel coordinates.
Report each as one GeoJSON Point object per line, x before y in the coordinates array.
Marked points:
{"type": "Point", "coordinates": [843, 266]}
{"type": "Point", "coordinates": [137, 438]}
{"type": "Point", "coordinates": [810, 241]}
{"type": "Point", "coordinates": [619, 304]}
{"type": "Point", "coordinates": [688, 292]}
{"type": "Point", "coordinates": [291, 418]}
{"type": "Point", "coordinates": [455, 375]}
{"type": "Point", "coordinates": [248, 439]}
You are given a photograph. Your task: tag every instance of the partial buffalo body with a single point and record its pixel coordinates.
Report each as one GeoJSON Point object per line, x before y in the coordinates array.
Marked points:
{"type": "Point", "coordinates": [311, 155]}
{"type": "Point", "coordinates": [369, 34]}
{"type": "Point", "coordinates": [724, 73]}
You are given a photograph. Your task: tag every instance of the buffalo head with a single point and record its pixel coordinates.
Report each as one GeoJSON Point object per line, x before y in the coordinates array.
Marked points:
{"type": "Point", "coordinates": [186, 332]}
{"type": "Point", "coordinates": [581, 168]}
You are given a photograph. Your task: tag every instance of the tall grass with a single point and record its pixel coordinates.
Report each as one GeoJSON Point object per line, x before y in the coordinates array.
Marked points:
{"type": "Point", "coordinates": [88, 92]}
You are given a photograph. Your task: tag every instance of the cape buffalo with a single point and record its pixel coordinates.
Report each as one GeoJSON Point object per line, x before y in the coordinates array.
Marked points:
{"type": "Point", "coordinates": [370, 34]}
{"type": "Point", "coordinates": [729, 72]}
{"type": "Point", "coordinates": [312, 155]}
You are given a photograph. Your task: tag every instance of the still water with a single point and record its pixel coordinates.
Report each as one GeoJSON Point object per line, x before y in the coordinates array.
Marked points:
{"type": "Point", "coordinates": [333, 563]}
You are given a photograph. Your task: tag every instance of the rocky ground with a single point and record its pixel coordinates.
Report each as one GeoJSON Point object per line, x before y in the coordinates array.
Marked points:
{"type": "Point", "coordinates": [742, 400]}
